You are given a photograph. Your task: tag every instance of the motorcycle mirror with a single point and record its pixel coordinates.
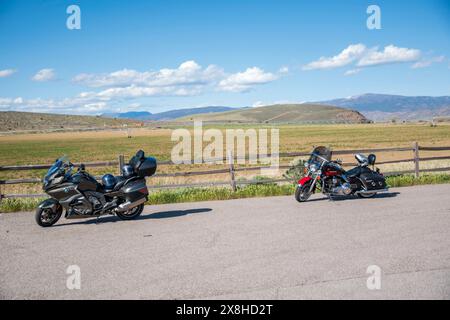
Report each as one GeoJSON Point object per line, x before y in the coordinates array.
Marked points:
{"type": "Point", "coordinates": [82, 167]}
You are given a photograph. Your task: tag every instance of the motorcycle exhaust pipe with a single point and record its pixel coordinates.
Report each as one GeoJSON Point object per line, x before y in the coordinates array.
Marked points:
{"type": "Point", "coordinates": [130, 205]}
{"type": "Point", "coordinates": [372, 191]}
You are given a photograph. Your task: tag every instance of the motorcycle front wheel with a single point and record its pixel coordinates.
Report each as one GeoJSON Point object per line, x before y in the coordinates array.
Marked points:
{"type": "Point", "coordinates": [46, 217]}
{"type": "Point", "coordinates": [131, 214]}
{"type": "Point", "coordinates": [302, 193]}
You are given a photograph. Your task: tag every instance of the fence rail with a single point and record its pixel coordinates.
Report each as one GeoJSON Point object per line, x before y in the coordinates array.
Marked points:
{"type": "Point", "coordinates": [232, 170]}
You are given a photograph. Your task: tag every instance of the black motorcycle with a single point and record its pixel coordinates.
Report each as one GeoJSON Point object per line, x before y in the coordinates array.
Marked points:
{"type": "Point", "coordinates": [81, 196]}
{"type": "Point", "coordinates": [321, 173]}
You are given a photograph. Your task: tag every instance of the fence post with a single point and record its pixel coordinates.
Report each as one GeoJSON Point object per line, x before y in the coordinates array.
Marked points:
{"type": "Point", "coordinates": [416, 159]}
{"type": "Point", "coordinates": [121, 163]}
{"type": "Point", "coordinates": [231, 163]}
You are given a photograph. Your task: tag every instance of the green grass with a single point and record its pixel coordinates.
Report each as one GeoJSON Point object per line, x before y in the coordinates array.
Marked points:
{"type": "Point", "coordinates": [224, 193]}
{"type": "Point", "coordinates": [19, 204]}
{"type": "Point", "coordinates": [410, 180]}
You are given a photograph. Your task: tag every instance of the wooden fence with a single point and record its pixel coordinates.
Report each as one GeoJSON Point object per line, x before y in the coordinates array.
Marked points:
{"type": "Point", "coordinates": [232, 170]}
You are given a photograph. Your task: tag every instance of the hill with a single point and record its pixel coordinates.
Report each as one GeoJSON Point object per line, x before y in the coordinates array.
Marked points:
{"type": "Point", "coordinates": [14, 121]}
{"type": "Point", "coordinates": [382, 107]}
{"type": "Point", "coordinates": [135, 115]}
{"type": "Point", "coordinates": [283, 113]}
{"type": "Point", "coordinates": [167, 115]}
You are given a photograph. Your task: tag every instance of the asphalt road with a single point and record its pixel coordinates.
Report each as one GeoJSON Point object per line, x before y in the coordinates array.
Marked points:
{"type": "Point", "coordinates": [264, 248]}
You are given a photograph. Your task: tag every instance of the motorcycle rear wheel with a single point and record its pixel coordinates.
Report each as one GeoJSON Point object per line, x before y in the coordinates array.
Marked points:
{"type": "Point", "coordinates": [46, 217]}
{"type": "Point", "coordinates": [302, 193]}
{"type": "Point", "coordinates": [131, 214]}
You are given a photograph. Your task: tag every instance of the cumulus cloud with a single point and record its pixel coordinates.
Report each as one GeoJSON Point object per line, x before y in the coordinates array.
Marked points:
{"type": "Point", "coordinates": [74, 105]}
{"type": "Point", "coordinates": [134, 91]}
{"type": "Point", "coordinates": [390, 54]}
{"type": "Point", "coordinates": [6, 73]}
{"type": "Point", "coordinates": [347, 56]}
{"type": "Point", "coordinates": [189, 78]}
{"type": "Point", "coordinates": [112, 90]}
{"type": "Point", "coordinates": [187, 73]}
{"type": "Point", "coordinates": [361, 56]}
{"type": "Point", "coordinates": [243, 81]}
{"type": "Point", "coordinates": [44, 75]}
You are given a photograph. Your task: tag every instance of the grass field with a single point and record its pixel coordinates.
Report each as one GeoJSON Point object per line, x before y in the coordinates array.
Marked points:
{"type": "Point", "coordinates": [11, 121]}
{"type": "Point", "coordinates": [107, 145]}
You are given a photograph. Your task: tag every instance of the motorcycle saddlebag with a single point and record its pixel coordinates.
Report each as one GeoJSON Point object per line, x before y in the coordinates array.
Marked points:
{"type": "Point", "coordinates": [135, 190]}
{"type": "Point", "coordinates": [373, 181]}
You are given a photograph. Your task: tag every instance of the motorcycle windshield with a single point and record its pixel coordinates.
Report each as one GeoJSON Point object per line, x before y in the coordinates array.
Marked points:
{"type": "Point", "coordinates": [319, 154]}
{"type": "Point", "coordinates": [55, 167]}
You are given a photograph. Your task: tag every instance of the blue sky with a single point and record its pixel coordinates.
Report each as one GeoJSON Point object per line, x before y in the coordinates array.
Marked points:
{"type": "Point", "coordinates": [160, 55]}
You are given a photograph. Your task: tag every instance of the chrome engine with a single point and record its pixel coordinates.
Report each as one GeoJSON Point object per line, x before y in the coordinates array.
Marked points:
{"type": "Point", "coordinates": [339, 187]}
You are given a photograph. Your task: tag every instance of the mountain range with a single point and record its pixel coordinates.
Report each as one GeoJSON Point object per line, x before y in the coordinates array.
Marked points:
{"type": "Point", "coordinates": [167, 115]}
{"type": "Point", "coordinates": [384, 107]}
{"type": "Point", "coordinates": [376, 107]}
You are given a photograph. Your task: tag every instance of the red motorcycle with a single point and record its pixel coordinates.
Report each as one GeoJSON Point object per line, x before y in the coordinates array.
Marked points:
{"type": "Point", "coordinates": [321, 173]}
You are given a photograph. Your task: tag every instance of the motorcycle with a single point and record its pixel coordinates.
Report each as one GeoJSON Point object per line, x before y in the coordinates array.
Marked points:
{"type": "Point", "coordinates": [321, 173]}
{"type": "Point", "coordinates": [81, 196]}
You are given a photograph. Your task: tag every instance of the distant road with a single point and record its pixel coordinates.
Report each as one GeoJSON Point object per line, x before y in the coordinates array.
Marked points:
{"type": "Point", "coordinates": [272, 248]}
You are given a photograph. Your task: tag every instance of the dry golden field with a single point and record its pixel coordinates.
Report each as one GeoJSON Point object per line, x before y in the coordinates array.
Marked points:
{"type": "Point", "coordinates": [43, 148]}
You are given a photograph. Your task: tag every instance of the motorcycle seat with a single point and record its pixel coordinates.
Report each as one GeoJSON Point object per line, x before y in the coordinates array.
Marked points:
{"type": "Point", "coordinates": [357, 171]}
{"type": "Point", "coordinates": [120, 182]}
{"type": "Point", "coordinates": [353, 172]}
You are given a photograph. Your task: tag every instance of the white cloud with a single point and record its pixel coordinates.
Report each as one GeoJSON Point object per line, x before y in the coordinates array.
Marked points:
{"type": "Point", "coordinates": [112, 89]}
{"type": "Point", "coordinates": [361, 56]}
{"type": "Point", "coordinates": [347, 56]}
{"type": "Point", "coordinates": [134, 91]}
{"type": "Point", "coordinates": [243, 81]}
{"type": "Point", "coordinates": [95, 107]}
{"type": "Point", "coordinates": [73, 105]}
{"type": "Point", "coordinates": [258, 104]}
{"type": "Point", "coordinates": [189, 78]}
{"type": "Point", "coordinates": [427, 62]}
{"type": "Point", "coordinates": [352, 72]}
{"type": "Point", "coordinates": [188, 73]}
{"type": "Point", "coordinates": [7, 72]}
{"type": "Point", "coordinates": [390, 54]}
{"type": "Point", "coordinates": [283, 70]}
{"type": "Point", "coordinates": [44, 75]}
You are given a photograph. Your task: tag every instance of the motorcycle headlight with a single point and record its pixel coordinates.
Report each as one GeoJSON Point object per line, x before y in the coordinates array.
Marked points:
{"type": "Point", "coordinates": [313, 168]}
